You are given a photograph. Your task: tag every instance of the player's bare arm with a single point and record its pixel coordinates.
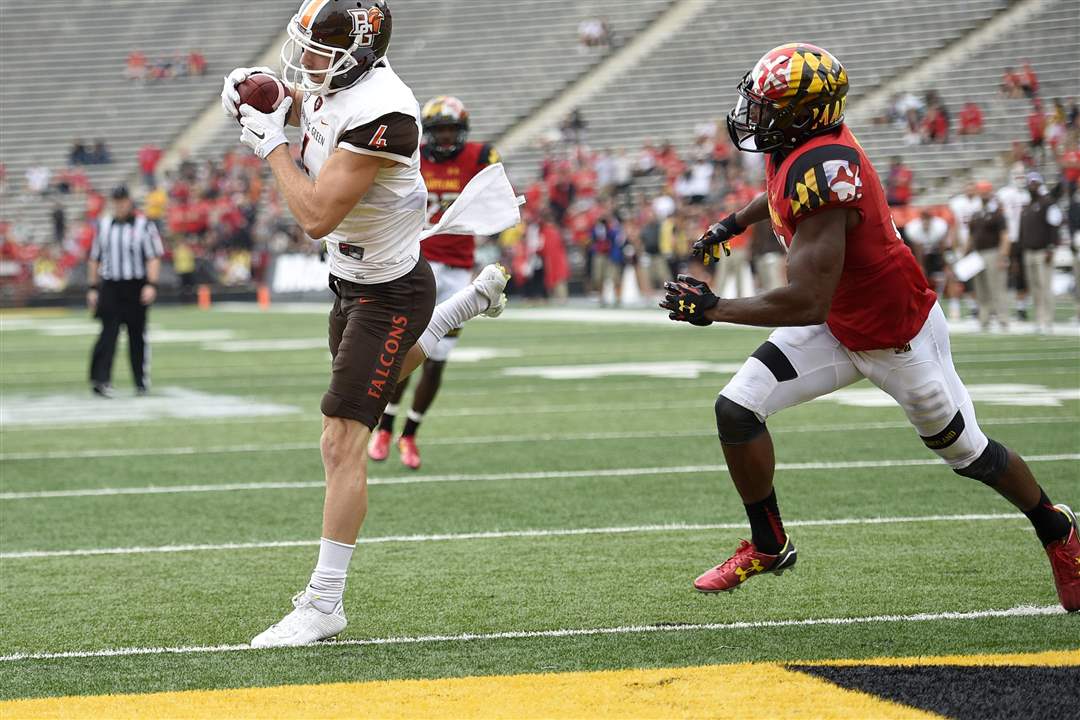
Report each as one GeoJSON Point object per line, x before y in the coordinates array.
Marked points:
{"type": "Point", "coordinates": [320, 205]}
{"type": "Point", "coordinates": [815, 262]}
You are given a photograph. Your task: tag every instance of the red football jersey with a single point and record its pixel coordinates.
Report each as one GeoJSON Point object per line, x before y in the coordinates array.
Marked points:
{"type": "Point", "coordinates": [445, 181]}
{"type": "Point", "coordinates": [882, 299]}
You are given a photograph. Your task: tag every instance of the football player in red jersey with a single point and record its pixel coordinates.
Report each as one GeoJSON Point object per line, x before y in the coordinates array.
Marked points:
{"type": "Point", "coordinates": [856, 306]}
{"type": "Point", "coordinates": [448, 161]}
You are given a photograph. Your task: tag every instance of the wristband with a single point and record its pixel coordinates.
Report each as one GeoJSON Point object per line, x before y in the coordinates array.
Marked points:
{"type": "Point", "coordinates": [734, 224]}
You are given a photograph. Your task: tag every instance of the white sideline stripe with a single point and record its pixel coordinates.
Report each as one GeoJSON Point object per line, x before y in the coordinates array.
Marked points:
{"type": "Point", "coordinates": [539, 475]}
{"type": "Point", "coordinates": [1019, 611]}
{"type": "Point", "coordinates": [498, 535]}
{"type": "Point", "coordinates": [489, 440]}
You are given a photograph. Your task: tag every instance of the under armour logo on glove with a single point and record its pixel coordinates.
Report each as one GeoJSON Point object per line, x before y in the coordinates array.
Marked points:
{"type": "Point", "coordinates": [689, 299]}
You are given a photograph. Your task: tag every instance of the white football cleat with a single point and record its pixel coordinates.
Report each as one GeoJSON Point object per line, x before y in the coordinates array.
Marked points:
{"type": "Point", "coordinates": [306, 624]}
{"type": "Point", "coordinates": [489, 284]}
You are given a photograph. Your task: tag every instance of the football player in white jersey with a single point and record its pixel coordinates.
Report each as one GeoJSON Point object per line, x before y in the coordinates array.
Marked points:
{"type": "Point", "coordinates": [362, 192]}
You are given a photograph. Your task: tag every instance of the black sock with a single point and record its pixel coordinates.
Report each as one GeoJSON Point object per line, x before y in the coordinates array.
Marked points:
{"type": "Point", "coordinates": [411, 426]}
{"type": "Point", "coordinates": [1050, 523]}
{"type": "Point", "coordinates": [387, 422]}
{"type": "Point", "coordinates": [766, 527]}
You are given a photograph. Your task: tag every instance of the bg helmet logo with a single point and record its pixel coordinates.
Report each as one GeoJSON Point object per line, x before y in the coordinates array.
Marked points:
{"type": "Point", "coordinates": [366, 25]}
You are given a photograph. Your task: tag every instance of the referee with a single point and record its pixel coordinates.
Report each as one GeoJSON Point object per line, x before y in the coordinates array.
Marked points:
{"type": "Point", "coordinates": [125, 261]}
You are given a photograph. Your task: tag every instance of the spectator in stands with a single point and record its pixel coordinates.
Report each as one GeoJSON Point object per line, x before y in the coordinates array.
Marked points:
{"type": "Point", "coordinates": [1069, 162]}
{"type": "Point", "coordinates": [990, 238]}
{"type": "Point", "coordinates": [607, 252]}
{"type": "Point", "coordinates": [149, 156]}
{"type": "Point", "coordinates": [553, 255]}
{"type": "Point", "coordinates": [926, 236]}
{"type": "Point", "coordinates": [1040, 230]}
{"type": "Point", "coordinates": [622, 172]}
{"type": "Point", "coordinates": [136, 66]}
{"type": "Point", "coordinates": [59, 222]}
{"type": "Point", "coordinates": [573, 128]}
{"type": "Point", "coordinates": [71, 180]}
{"type": "Point", "coordinates": [100, 154]}
{"type": "Point", "coordinates": [913, 128]}
{"type": "Point", "coordinates": [971, 119]}
{"type": "Point", "coordinates": [196, 63]}
{"type": "Point", "coordinates": [898, 183]}
{"type": "Point", "coordinates": [935, 125]}
{"type": "Point", "coordinates": [154, 206]}
{"type": "Point", "coordinates": [1029, 80]}
{"type": "Point", "coordinates": [653, 264]}
{"type": "Point", "coordinates": [694, 183]}
{"type": "Point", "coordinates": [38, 178]}
{"type": "Point", "coordinates": [1036, 122]}
{"type": "Point", "coordinates": [1011, 83]}
{"type": "Point", "coordinates": [79, 154]}
{"type": "Point", "coordinates": [594, 32]}
{"type": "Point", "coordinates": [1072, 116]}
{"type": "Point", "coordinates": [95, 204]}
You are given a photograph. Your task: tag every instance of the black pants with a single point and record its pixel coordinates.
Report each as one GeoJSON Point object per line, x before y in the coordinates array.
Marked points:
{"type": "Point", "coordinates": [118, 304]}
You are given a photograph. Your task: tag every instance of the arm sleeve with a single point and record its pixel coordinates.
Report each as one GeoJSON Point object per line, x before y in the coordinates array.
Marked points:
{"type": "Point", "coordinates": [152, 241]}
{"type": "Point", "coordinates": [824, 177]}
{"type": "Point", "coordinates": [489, 156]}
{"type": "Point", "coordinates": [95, 246]}
{"type": "Point", "coordinates": [394, 136]}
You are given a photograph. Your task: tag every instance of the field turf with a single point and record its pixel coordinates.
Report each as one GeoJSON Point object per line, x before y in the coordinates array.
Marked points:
{"type": "Point", "coordinates": [585, 503]}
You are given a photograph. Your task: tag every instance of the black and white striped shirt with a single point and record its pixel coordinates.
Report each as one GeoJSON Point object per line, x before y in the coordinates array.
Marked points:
{"type": "Point", "coordinates": [122, 247]}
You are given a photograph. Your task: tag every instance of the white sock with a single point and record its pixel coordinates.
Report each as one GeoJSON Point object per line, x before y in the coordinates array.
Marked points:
{"type": "Point", "coordinates": [415, 416]}
{"type": "Point", "coordinates": [462, 306]}
{"type": "Point", "coordinates": [327, 583]}
{"type": "Point", "coordinates": [391, 409]}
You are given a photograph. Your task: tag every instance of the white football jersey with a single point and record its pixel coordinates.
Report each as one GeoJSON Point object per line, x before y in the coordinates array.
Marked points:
{"type": "Point", "coordinates": [379, 240]}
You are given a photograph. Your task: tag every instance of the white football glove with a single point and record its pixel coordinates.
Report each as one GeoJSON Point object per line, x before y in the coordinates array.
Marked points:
{"type": "Point", "coordinates": [262, 132]}
{"type": "Point", "coordinates": [230, 98]}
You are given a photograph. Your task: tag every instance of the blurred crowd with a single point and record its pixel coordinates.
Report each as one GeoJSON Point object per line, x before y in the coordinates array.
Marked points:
{"type": "Point", "coordinates": [612, 223]}
{"type": "Point", "coordinates": [143, 69]}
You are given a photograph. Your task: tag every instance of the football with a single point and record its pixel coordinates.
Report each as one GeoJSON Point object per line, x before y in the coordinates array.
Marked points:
{"type": "Point", "coordinates": [262, 92]}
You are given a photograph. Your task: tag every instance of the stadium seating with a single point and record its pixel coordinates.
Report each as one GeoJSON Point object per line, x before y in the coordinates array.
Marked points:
{"type": "Point", "coordinates": [693, 77]}
{"type": "Point", "coordinates": [502, 59]}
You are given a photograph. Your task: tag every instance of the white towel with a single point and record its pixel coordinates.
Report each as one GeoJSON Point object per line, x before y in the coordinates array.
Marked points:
{"type": "Point", "coordinates": [486, 206]}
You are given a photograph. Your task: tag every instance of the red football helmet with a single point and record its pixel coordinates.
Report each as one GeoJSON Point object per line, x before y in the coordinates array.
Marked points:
{"type": "Point", "coordinates": [444, 112]}
{"type": "Point", "coordinates": [794, 92]}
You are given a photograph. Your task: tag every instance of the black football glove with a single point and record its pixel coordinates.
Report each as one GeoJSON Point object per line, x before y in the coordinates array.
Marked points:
{"type": "Point", "coordinates": [717, 238]}
{"type": "Point", "coordinates": [688, 299]}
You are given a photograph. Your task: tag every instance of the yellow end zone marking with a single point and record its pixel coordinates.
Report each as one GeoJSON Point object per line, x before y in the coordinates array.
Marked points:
{"type": "Point", "coordinates": [764, 690]}
{"type": "Point", "coordinates": [746, 690]}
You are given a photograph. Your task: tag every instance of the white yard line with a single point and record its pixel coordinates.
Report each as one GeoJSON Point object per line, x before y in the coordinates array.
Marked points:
{"type": "Point", "coordinates": [487, 440]}
{"type": "Point", "coordinates": [538, 475]}
{"type": "Point", "coordinates": [1019, 611]}
{"type": "Point", "coordinates": [498, 535]}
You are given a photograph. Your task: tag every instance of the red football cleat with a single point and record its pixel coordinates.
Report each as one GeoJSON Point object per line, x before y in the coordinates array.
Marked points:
{"type": "Point", "coordinates": [1064, 557]}
{"type": "Point", "coordinates": [745, 563]}
{"type": "Point", "coordinates": [379, 447]}
{"type": "Point", "coordinates": [410, 454]}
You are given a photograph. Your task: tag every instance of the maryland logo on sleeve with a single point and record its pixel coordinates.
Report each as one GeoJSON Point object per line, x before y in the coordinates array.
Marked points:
{"type": "Point", "coordinates": [825, 175]}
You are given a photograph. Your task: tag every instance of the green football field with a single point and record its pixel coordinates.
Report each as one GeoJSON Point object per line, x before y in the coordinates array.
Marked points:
{"type": "Point", "coordinates": [572, 488]}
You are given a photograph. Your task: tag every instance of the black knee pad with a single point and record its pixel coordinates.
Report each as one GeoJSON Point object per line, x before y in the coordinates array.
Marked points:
{"type": "Point", "coordinates": [989, 466]}
{"type": "Point", "coordinates": [735, 424]}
